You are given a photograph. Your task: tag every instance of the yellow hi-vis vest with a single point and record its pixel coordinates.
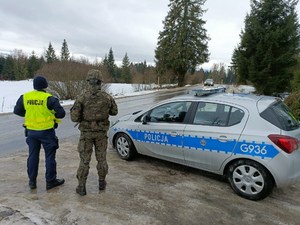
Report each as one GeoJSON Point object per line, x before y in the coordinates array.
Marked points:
{"type": "Point", "coordinates": [38, 116]}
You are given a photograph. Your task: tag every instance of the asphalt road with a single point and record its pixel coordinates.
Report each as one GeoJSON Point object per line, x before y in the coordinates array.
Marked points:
{"type": "Point", "coordinates": [12, 133]}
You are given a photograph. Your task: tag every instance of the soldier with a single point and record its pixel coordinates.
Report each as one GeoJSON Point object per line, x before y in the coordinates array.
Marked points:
{"type": "Point", "coordinates": [91, 110]}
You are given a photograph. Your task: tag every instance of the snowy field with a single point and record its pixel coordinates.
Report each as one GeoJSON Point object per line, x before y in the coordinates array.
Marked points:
{"type": "Point", "coordinates": [10, 91]}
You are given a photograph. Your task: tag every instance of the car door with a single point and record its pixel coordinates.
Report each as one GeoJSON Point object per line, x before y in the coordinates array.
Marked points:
{"type": "Point", "coordinates": [212, 134]}
{"type": "Point", "coordinates": [161, 134]}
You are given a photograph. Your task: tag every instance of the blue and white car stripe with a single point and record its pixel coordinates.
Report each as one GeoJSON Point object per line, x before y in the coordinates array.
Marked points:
{"type": "Point", "coordinates": [262, 150]}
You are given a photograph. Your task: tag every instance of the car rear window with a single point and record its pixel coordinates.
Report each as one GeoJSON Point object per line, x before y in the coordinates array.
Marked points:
{"type": "Point", "coordinates": [280, 116]}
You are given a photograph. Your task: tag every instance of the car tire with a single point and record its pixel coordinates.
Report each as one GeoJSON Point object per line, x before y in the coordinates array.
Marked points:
{"type": "Point", "coordinates": [250, 180]}
{"type": "Point", "coordinates": [124, 146]}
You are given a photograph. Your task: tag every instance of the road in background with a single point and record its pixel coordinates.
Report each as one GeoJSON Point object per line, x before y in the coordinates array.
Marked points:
{"type": "Point", "coordinates": [12, 133]}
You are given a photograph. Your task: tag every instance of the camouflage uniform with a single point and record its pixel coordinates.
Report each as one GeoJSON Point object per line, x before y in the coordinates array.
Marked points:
{"type": "Point", "coordinates": [91, 110]}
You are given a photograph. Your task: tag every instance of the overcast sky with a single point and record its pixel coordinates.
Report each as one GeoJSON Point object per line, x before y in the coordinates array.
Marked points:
{"type": "Point", "coordinates": [92, 27]}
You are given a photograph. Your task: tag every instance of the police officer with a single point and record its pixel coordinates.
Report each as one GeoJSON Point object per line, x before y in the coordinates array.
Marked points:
{"type": "Point", "coordinates": [42, 112]}
{"type": "Point", "coordinates": [91, 110]}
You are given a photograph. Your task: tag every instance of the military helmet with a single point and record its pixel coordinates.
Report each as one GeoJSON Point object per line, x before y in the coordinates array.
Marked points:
{"type": "Point", "coordinates": [94, 75]}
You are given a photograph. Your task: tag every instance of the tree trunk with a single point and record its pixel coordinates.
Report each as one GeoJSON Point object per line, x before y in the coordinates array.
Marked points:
{"type": "Point", "coordinates": [181, 79]}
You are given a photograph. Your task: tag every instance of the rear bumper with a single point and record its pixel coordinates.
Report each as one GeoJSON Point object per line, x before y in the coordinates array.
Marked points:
{"type": "Point", "coordinates": [286, 169]}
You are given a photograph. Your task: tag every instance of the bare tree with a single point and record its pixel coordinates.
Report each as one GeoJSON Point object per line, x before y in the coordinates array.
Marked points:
{"type": "Point", "coordinates": [67, 79]}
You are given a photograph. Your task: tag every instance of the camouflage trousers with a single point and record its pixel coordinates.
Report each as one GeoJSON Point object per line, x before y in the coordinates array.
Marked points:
{"type": "Point", "coordinates": [88, 141]}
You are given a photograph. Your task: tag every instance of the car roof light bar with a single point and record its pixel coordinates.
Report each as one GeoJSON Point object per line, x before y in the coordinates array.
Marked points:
{"type": "Point", "coordinates": [208, 91]}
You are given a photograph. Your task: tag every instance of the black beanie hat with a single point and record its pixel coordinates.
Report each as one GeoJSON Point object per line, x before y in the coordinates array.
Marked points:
{"type": "Point", "coordinates": [40, 83]}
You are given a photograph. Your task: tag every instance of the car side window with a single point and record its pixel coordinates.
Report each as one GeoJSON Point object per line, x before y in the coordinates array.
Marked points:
{"type": "Point", "coordinates": [236, 116]}
{"type": "Point", "coordinates": [214, 114]}
{"type": "Point", "coordinates": [173, 112]}
{"type": "Point", "coordinates": [206, 114]}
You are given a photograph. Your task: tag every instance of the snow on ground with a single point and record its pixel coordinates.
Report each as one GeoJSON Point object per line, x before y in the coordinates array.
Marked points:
{"type": "Point", "coordinates": [10, 91]}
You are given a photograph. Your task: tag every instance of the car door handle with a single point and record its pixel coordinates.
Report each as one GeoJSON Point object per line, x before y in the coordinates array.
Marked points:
{"type": "Point", "coordinates": [173, 133]}
{"type": "Point", "coordinates": [223, 139]}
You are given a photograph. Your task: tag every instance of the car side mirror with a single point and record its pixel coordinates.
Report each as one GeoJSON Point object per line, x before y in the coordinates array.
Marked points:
{"type": "Point", "coordinates": [146, 119]}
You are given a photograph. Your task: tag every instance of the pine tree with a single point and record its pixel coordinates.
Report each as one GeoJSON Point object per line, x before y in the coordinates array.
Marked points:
{"type": "Point", "coordinates": [20, 64]}
{"type": "Point", "coordinates": [33, 65]}
{"type": "Point", "coordinates": [64, 54]}
{"type": "Point", "coordinates": [9, 68]}
{"type": "Point", "coordinates": [125, 73]}
{"type": "Point", "coordinates": [111, 66]}
{"type": "Point", "coordinates": [269, 46]}
{"type": "Point", "coordinates": [50, 54]}
{"type": "Point", "coordinates": [230, 77]}
{"type": "Point", "coordinates": [105, 60]}
{"type": "Point", "coordinates": [2, 62]}
{"type": "Point", "coordinates": [141, 67]}
{"type": "Point", "coordinates": [182, 45]}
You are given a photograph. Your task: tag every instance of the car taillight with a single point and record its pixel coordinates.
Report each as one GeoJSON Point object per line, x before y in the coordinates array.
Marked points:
{"type": "Point", "coordinates": [286, 143]}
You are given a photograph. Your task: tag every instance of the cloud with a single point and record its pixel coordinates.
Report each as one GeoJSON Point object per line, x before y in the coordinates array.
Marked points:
{"type": "Point", "coordinates": [92, 27]}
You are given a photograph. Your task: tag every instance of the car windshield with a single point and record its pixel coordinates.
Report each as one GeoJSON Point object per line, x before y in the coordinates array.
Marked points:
{"type": "Point", "coordinates": [281, 116]}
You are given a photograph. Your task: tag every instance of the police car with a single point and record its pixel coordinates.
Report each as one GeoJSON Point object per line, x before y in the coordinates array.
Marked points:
{"type": "Point", "coordinates": [251, 140]}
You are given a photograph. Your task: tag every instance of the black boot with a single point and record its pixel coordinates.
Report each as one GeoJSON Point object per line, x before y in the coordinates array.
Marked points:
{"type": "Point", "coordinates": [81, 190]}
{"type": "Point", "coordinates": [55, 183]}
{"type": "Point", "coordinates": [32, 185]}
{"type": "Point", "coordinates": [102, 185]}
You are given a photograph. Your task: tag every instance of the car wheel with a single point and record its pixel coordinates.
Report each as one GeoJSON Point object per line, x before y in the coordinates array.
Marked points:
{"type": "Point", "coordinates": [250, 180]}
{"type": "Point", "coordinates": [125, 147]}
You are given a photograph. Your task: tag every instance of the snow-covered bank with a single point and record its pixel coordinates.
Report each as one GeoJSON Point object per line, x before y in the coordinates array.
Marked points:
{"type": "Point", "coordinates": [10, 91]}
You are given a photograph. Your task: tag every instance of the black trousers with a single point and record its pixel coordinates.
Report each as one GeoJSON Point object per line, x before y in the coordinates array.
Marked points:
{"type": "Point", "coordinates": [49, 141]}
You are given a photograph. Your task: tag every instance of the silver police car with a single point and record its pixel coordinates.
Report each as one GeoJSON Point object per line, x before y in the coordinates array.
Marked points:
{"type": "Point", "coordinates": [251, 140]}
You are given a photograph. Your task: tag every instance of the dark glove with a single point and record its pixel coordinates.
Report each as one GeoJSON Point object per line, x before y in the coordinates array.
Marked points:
{"type": "Point", "coordinates": [55, 125]}
{"type": "Point", "coordinates": [25, 131]}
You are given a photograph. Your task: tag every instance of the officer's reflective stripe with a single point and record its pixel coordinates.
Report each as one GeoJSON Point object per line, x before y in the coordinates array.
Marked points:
{"type": "Point", "coordinates": [262, 150]}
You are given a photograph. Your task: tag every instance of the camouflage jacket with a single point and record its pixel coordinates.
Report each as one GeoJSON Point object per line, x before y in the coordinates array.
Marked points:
{"type": "Point", "coordinates": [92, 109]}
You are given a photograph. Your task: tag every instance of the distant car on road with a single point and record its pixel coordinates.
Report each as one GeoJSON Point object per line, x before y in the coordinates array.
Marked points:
{"type": "Point", "coordinates": [209, 82]}
{"type": "Point", "coordinates": [252, 140]}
